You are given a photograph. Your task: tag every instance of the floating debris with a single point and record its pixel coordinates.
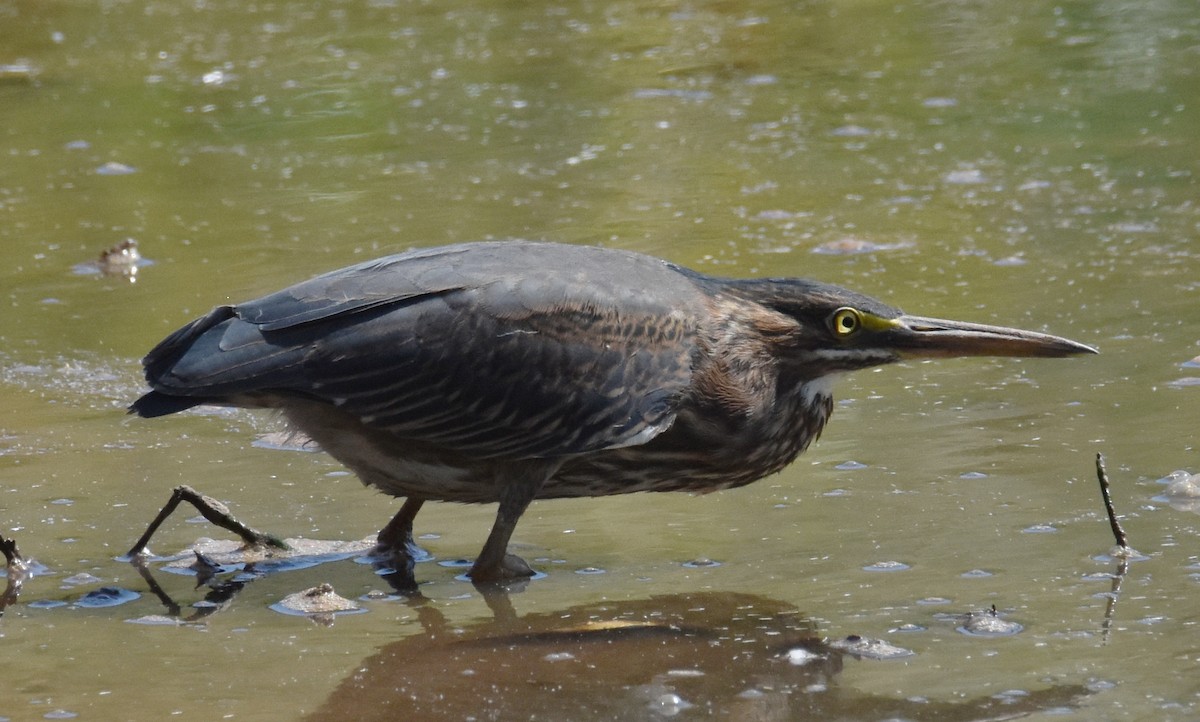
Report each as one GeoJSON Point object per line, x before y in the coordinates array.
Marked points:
{"type": "Point", "coordinates": [220, 556]}
{"type": "Point", "coordinates": [320, 603]}
{"type": "Point", "coordinates": [106, 597]}
{"type": "Point", "coordinates": [988, 624]}
{"type": "Point", "coordinates": [122, 259]}
{"type": "Point", "coordinates": [868, 648]}
{"type": "Point", "coordinates": [1182, 492]}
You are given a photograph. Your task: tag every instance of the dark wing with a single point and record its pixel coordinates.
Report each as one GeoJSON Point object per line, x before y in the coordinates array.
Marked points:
{"type": "Point", "coordinates": [498, 349]}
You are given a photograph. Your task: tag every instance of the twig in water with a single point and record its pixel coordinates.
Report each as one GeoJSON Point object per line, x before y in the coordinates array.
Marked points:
{"type": "Point", "coordinates": [17, 570]}
{"type": "Point", "coordinates": [1118, 532]}
{"type": "Point", "coordinates": [211, 509]}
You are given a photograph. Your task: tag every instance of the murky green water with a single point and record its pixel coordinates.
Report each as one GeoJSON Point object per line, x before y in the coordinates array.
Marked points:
{"type": "Point", "coordinates": [1031, 164]}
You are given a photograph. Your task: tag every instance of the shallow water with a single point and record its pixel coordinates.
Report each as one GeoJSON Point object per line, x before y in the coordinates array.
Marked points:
{"type": "Point", "coordinates": [1030, 165]}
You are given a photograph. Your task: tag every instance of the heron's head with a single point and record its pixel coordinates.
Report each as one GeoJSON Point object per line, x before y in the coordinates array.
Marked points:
{"type": "Point", "coordinates": [834, 329]}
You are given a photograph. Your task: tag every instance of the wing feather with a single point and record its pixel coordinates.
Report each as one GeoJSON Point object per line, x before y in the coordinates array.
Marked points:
{"type": "Point", "coordinates": [499, 349]}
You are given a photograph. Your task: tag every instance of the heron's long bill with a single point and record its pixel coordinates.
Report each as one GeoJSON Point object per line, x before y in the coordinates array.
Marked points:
{"type": "Point", "coordinates": [918, 337]}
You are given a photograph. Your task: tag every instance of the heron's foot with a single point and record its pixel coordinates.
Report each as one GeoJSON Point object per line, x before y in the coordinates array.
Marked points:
{"type": "Point", "coordinates": [408, 552]}
{"type": "Point", "coordinates": [394, 556]}
{"type": "Point", "coordinates": [395, 541]}
{"type": "Point", "coordinates": [509, 568]}
{"type": "Point", "coordinates": [399, 550]}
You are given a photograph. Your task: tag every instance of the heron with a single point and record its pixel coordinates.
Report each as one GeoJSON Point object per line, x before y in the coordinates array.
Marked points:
{"type": "Point", "coordinates": [511, 371]}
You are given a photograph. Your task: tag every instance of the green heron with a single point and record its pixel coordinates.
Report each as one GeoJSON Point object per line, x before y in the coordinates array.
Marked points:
{"type": "Point", "coordinates": [512, 371]}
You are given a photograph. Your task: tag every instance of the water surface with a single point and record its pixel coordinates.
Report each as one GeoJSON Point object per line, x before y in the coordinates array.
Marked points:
{"type": "Point", "coordinates": [1030, 165]}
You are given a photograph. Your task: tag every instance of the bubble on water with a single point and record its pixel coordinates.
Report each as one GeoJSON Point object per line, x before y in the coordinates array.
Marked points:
{"type": "Point", "coordinates": [888, 566]}
{"type": "Point", "coordinates": [558, 657]}
{"type": "Point", "coordinates": [81, 578]}
{"type": "Point", "coordinates": [115, 168]}
{"type": "Point", "coordinates": [669, 704]}
{"type": "Point", "coordinates": [799, 656]}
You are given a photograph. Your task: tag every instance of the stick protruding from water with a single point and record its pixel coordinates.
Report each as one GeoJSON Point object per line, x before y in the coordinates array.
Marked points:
{"type": "Point", "coordinates": [1113, 521]}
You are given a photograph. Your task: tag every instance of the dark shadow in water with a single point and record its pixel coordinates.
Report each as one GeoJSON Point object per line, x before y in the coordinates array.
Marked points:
{"type": "Point", "coordinates": [732, 656]}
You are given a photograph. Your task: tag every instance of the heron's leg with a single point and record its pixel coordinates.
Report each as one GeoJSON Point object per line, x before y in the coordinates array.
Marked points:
{"type": "Point", "coordinates": [396, 539]}
{"type": "Point", "coordinates": [519, 485]}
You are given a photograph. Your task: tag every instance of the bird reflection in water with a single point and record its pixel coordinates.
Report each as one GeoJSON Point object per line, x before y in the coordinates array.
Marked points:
{"type": "Point", "coordinates": [727, 655]}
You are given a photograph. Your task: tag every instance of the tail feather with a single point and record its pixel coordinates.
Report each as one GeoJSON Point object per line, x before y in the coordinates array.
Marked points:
{"type": "Point", "coordinates": [159, 362]}
{"type": "Point", "coordinates": [155, 404]}
{"type": "Point", "coordinates": [163, 356]}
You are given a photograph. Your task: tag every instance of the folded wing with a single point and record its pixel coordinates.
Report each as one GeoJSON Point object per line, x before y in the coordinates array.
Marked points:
{"type": "Point", "coordinates": [538, 351]}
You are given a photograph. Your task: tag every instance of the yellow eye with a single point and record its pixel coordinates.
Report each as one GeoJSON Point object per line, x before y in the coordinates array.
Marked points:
{"type": "Point", "coordinates": [845, 322]}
